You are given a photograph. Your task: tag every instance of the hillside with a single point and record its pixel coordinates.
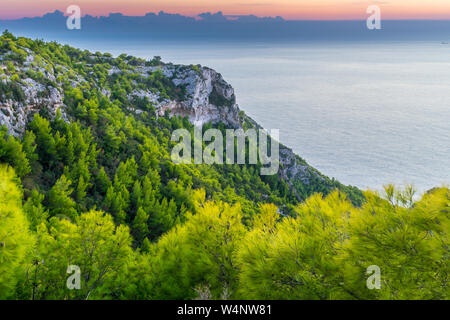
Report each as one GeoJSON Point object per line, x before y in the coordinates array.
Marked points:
{"type": "Point", "coordinates": [88, 135]}
{"type": "Point", "coordinates": [91, 88]}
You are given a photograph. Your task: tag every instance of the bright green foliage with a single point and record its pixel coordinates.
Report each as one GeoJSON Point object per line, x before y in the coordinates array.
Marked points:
{"type": "Point", "coordinates": [325, 251]}
{"type": "Point", "coordinates": [94, 244]}
{"type": "Point", "coordinates": [410, 244]}
{"type": "Point", "coordinates": [15, 239]}
{"type": "Point", "coordinates": [35, 210]}
{"type": "Point", "coordinates": [199, 253]}
{"type": "Point", "coordinates": [11, 152]}
{"type": "Point", "coordinates": [296, 261]}
{"type": "Point", "coordinates": [102, 182]}
{"type": "Point", "coordinates": [140, 226]}
{"type": "Point", "coordinates": [60, 202]}
{"type": "Point", "coordinates": [46, 146]}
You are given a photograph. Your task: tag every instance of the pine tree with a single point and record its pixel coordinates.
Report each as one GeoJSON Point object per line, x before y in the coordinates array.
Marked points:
{"type": "Point", "coordinates": [60, 202]}
{"type": "Point", "coordinates": [146, 245]}
{"type": "Point", "coordinates": [11, 152]}
{"type": "Point", "coordinates": [80, 191]}
{"type": "Point", "coordinates": [34, 209]}
{"type": "Point", "coordinates": [29, 147]}
{"type": "Point", "coordinates": [136, 195]}
{"type": "Point", "coordinates": [140, 226]}
{"type": "Point", "coordinates": [200, 252]}
{"type": "Point", "coordinates": [46, 146]}
{"type": "Point", "coordinates": [102, 181]}
{"type": "Point", "coordinates": [92, 242]}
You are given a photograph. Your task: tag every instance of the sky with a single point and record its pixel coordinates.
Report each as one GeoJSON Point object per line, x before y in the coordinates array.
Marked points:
{"type": "Point", "coordinates": [288, 9]}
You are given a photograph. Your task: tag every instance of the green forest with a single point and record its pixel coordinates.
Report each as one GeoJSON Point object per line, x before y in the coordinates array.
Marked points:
{"type": "Point", "coordinates": [99, 191]}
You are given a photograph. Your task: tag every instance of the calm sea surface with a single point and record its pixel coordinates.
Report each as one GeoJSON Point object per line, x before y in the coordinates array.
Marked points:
{"type": "Point", "coordinates": [366, 114]}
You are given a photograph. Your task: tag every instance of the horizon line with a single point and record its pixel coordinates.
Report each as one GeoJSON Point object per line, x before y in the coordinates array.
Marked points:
{"type": "Point", "coordinates": [225, 15]}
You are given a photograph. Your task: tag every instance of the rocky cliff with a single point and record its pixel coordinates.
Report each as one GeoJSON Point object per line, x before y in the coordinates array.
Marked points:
{"type": "Point", "coordinates": [207, 98]}
{"type": "Point", "coordinates": [29, 95]}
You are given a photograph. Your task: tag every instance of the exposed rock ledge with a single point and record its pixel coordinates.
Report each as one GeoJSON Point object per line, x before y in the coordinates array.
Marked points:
{"type": "Point", "coordinates": [208, 98]}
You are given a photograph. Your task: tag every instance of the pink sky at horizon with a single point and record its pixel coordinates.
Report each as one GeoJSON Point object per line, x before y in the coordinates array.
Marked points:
{"type": "Point", "coordinates": [288, 9]}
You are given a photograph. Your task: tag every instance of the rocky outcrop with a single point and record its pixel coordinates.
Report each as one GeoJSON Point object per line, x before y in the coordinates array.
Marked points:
{"type": "Point", "coordinates": [207, 98]}
{"type": "Point", "coordinates": [34, 96]}
{"type": "Point", "coordinates": [15, 115]}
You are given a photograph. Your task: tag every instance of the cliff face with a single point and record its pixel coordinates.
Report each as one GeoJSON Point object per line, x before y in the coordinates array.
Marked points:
{"type": "Point", "coordinates": [17, 110]}
{"type": "Point", "coordinates": [207, 98]}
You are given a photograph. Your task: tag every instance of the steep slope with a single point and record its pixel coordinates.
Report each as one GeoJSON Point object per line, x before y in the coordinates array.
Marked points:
{"type": "Point", "coordinates": [39, 77]}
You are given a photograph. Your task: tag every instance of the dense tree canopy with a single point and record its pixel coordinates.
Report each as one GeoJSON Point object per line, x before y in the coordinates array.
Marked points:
{"type": "Point", "coordinates": [323, 252]}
